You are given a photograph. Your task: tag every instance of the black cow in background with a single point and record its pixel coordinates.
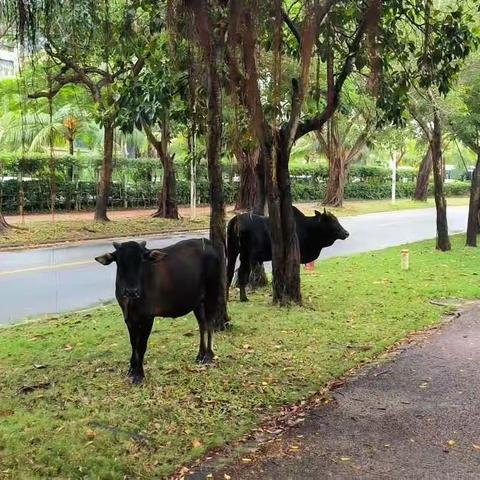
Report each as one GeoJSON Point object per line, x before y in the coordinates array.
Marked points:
{"type": "Point", "coordinates": [249, 236]}
{"type": "Point", "coordinates": [169, 282]}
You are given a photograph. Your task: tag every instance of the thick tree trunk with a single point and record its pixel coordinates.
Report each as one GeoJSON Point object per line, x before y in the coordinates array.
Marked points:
{"type": "Point", "coordinates": [106, 175]}
{"type": "Point", "coordinates": [247, 161]}
{"type": "Point", "coordinates": [474, 208]}
{"type": "Point", "coordinates": [285, 248]}
{"type": "Point", "coordinates": [443, 241]}
{"type": "Point", "coordinates": [214, 55]}
{"type": "Point", "coordinates": [337, 177]}
{"type": "Point", "coordinates": [424, 171]}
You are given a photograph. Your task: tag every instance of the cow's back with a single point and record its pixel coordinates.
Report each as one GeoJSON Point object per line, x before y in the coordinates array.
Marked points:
{"type": "Point", "coordinates": [188, 275]}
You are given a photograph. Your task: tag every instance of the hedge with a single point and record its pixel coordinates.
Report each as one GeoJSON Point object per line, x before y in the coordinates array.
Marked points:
{"type": "Point", "coordinates": [136, 183]}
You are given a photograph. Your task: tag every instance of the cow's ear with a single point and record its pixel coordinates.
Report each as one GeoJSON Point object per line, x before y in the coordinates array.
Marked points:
{"type": "Point", "coordinates": [317, 213]}
{"type": "Point", "coordinates": [156, 255]}
{"type": "Point", "coordinates": [143, 244]}
{"type": "Point", "coordinates": [116, 245]}
{"type": "Point", "coordinates": [106, 259]}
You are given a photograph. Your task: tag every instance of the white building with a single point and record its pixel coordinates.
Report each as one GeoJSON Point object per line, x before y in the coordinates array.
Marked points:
{"type": "Point", "coordinates": [8, 61]}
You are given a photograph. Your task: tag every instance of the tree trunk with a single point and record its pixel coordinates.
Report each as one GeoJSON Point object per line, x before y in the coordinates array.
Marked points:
{"type": "Point", "coordinates": [261, 194]}
{"type": "Point", "coordinates": [443, 241]}
{"type": "Point", "coordinates": [167, 199]}
{"type": "Point", "coordinates": [337, 177]}
{"type": "Point", "coordinates": [167, 206]}
{"type": "Point", "coordinates": [4, 226]}
{"type": "Point", "coordinates": [424, 171]}
{"type": "Point", "coordinates": [474, 208]}
{"type": "Point", "coordinates": [70, 146]}
{"type": "Point", "coordinates": [106, 175]}
{"type": "Point", "coordinates": [214, 54]}
{"type": "Point", "coordinates": [247, 162]}
{"type": "Point", "coordinates": [285, 248]}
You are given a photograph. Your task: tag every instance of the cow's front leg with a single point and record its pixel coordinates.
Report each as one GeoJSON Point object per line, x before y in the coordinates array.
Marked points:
{"type": "Point", "coordinates": [139, 334]}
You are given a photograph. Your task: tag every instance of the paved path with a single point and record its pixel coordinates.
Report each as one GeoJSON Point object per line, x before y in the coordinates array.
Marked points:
{"type": "Point", "coordinates": [415, 417]}
{"type": "Point", "coordinates": [66, 278]}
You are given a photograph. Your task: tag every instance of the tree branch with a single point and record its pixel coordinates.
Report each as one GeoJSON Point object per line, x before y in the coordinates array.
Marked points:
{"type": "Point", "coordinates": [315, 123]}
{"type": "Point", "coordinates": [291, 25]}
{"type": "Point", "coordinates": [60, 81]}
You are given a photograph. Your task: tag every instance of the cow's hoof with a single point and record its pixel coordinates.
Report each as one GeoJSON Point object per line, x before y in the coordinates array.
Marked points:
{"type": "Point", "coordinates": [137, 379]}
{"type": "Point", "coordinates": [244, 299]}
{"type": "Point", "coordinates": [206, 359]}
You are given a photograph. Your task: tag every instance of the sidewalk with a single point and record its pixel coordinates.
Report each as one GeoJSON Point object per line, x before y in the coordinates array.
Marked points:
{"type": "Point", "coordinates": [415, 417]}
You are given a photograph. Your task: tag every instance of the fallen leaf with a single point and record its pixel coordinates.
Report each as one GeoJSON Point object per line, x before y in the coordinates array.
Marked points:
{"type": "Point", "coordinates": [345, 459]}
{"type": "Point", "coordinates": [226, 477]}
{"type": "Point", "coordinates": [68, 347]}
{"type": "Point", "coordinates": [90, 434]}
{"type": "Point", "coordinates": [246, 460]}
{"type": "Point", "coordinates": [39, 366]}
{"type": "Point", "coordinates": [451, 443]}
{"type": "Point", "coordinates": [196, 443]}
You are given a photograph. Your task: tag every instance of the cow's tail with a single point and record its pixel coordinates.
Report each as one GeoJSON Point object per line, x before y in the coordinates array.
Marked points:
{"type": "Point", "coordinates": [233, 248]}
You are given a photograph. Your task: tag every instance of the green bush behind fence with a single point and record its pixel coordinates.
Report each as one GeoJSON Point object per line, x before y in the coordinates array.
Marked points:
{"type": "Point", "coordinates": [136, 183]}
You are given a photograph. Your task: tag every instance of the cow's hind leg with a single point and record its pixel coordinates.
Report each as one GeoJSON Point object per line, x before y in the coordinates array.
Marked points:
{"type": "Point", "coordinates": [205, 353]}
{"type": "Point", "coordinates": [243, 276]}
{"type": "Point", "coordinates": [139, 333]}
{"type": "Point", "coordinates": [231, 260]}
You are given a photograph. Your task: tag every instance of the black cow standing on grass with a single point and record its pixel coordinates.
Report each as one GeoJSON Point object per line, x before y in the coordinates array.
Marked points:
{"type": "Point", "coordinates": [169, 282]}
{"type": "Point", "coordinates": [249, 236]}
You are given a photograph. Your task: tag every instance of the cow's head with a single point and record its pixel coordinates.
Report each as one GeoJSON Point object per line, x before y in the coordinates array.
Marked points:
{"type": "Point", "coordinates": [131, 258]}
{"type": "Point", "coordinates": [330, 227]}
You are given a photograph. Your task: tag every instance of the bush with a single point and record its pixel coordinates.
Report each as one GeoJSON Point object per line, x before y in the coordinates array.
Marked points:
{"type": "Point", "coordinates": [137, 182]}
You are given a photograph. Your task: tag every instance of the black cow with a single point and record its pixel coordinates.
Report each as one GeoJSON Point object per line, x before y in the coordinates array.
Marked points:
{"type": "Point", "coordinates": [249, 236]}
{"type": "Point", "coordinates": [169, 282]}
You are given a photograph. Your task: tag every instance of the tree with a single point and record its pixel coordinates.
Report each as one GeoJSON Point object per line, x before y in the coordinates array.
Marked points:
{"type": "Point", "coordinates": [445, 40]}
{"type": "Point", "coordinates": [97, 48]}
{"type": "Point", "coordinates": [210, 31]}
{"type": "Point", "coordinates": [342, 143]}
{"type": "Point", "coordinates": [463, 118]}
{"type": "Point", "coordinates": [277, 133]}
{"type": "Point", "coordinates": [159, 102]}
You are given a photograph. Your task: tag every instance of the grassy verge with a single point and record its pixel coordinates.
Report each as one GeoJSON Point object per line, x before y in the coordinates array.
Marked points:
{"type": "Point", "coordinates": [45, 232]}
{"type": "Point", "coordinates": [361, 207]}
{"type": "Point", "coordinates": [87, 421]}
{"type": "Point", "coordinates": [36, 232]}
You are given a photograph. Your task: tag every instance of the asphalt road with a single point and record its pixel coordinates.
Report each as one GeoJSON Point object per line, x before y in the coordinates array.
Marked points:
{"type": "Point", "coordinates": [415, 417]}
{"type": "Point", "coordinates": [66, 278]}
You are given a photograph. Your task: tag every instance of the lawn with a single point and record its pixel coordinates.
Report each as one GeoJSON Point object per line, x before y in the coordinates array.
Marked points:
{"type": "Point", "coordinates": [85, 420]}
{"type": "Point", "coordinates": [45, 232]}
{"type": "Point", "coordinates": [35, 232]}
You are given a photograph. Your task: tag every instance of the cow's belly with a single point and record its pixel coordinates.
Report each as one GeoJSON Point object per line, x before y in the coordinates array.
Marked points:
{"type": "Point", "coordinates": [177, 307]}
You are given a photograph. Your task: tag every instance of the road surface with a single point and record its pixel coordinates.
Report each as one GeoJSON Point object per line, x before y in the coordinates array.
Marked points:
{"type": "Point", "coordinates": [66, 278]}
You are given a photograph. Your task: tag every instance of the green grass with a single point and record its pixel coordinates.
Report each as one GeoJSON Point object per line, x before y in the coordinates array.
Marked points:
{"type": "Point", "coordinates": [45, 232]}
{"type": "Point", "coordinates": [92, 423]}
